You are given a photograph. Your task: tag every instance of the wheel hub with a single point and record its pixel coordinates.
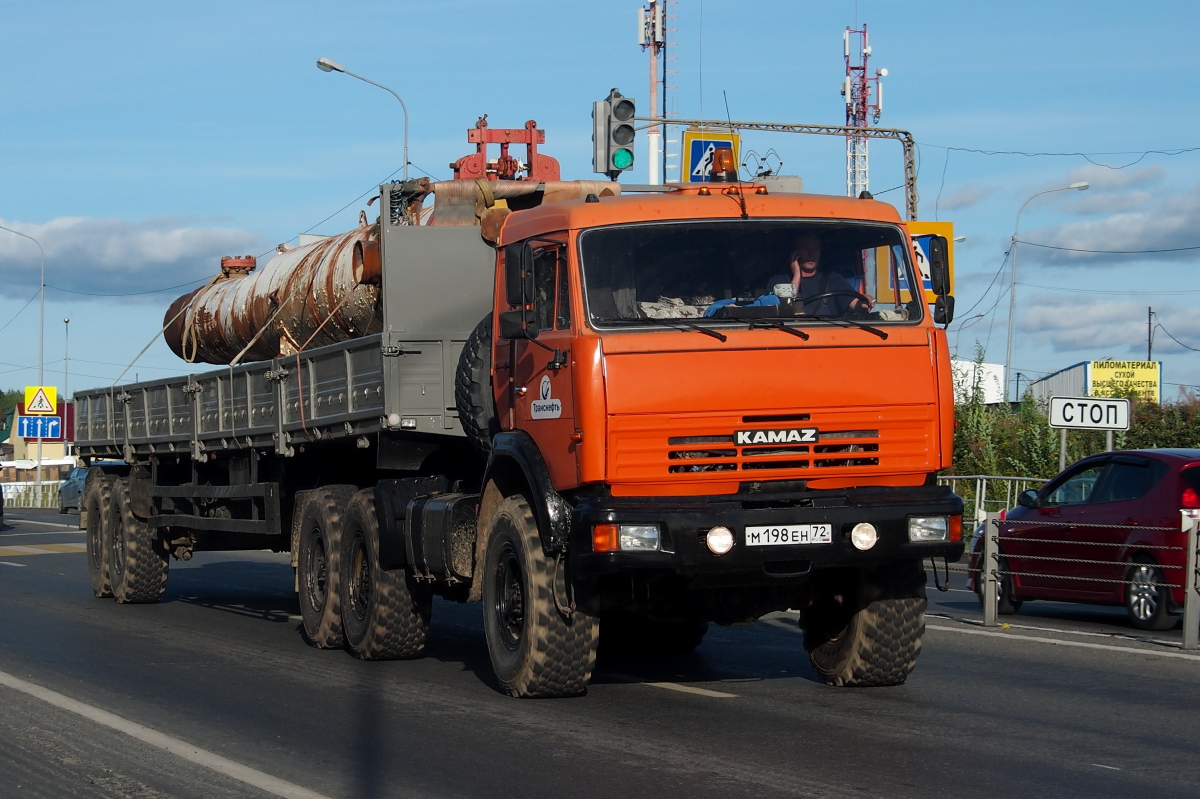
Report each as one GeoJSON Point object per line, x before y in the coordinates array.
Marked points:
{"type": "Point", "coordinates": [509, 607]}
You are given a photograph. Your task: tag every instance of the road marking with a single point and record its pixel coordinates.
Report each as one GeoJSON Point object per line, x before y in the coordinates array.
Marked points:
{"type": "Point", "coordinates": [1083, 644]}
{"type": "Point", "coordinates": [41, 549]}
{"type": "Point", "coordinates": [194, 754]}
{"type": "Point", "coordinates": [1142, 639]}
{"type": "Point", "coordinates": [43, 524]}
{"type": "Point", "coordinates": [30, 535]}
{"type": "Point", "coordinates": [674, 686]}
{"type": "Point", "coordinates": [1101, 765]}
{"type": "Point", "coordinates": [6, 563]}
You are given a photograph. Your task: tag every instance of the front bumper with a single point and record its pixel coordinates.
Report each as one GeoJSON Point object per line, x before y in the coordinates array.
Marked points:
{"type": "Point", "coordinates": [683, 523]}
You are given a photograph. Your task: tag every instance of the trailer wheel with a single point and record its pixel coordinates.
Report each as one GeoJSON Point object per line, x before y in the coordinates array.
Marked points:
{"type": "Point", "coordinates": [139, 554]}
{"type": "Point", "coordinates": [385, 612]}
{"type": "Point", "coordinates": [473, 388]}
{"type": "Point", "coordinates": [867, 630]}
{"type": "Point", "coordinates": [536, 650]}
{"type": "Point", "coordinates": [319, 565]}
{"type": "Point", "coordinates": [96, 501]}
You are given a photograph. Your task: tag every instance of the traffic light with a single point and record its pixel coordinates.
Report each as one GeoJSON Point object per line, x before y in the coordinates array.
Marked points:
{"type": "Point", "coordinates": [613, 134]}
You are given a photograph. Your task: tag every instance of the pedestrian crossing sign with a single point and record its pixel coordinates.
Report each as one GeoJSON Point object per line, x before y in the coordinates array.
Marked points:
{"type": "Point", "coordinates": [41, 400]}
{"type": "Point", "coordinates": [699, 148]}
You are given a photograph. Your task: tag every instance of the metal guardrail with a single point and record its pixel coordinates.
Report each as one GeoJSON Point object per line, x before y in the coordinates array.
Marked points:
{"type": "Point", "coordinates": [990, 571]}
{"type": "Point", "coordinates": [31, 494]}
{"type": "Point", "coordinates": [983, 494]}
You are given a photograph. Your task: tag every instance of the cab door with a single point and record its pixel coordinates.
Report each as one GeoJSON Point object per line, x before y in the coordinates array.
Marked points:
{"type": "Point", "coordinates": [543, 397]}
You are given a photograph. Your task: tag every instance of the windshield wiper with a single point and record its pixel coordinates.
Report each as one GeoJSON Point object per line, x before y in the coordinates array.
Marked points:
{"type": "Point", "coordinates": [674, 324]}
{"type": "Point", "coordinates": [777, 325]}
{"type": "Point", "coordinates": [837, 320]}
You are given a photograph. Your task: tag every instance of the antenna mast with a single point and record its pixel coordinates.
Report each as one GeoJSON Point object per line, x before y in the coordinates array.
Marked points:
{"type": "Point", "coordinates": [652, 36]}
{"type": "Point", "coordinates": [856, 89]}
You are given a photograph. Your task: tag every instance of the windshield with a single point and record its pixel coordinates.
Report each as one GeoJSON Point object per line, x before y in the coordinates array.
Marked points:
{"type": "Point", "coordinates": [810, 271]}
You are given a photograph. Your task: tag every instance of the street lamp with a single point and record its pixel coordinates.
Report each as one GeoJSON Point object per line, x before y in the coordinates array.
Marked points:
{"type": "Point", "coordinates": [329, 65]}
{"type": "Point", "coordinates": [1012, 289]}
{"type": "Point", "coordinates": [41, 331]}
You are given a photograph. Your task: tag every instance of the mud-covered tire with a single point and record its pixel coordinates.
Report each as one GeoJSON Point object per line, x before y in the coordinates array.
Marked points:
{"type": "Point", "coordinates": [536, 649]}
{"type": "Point", "coordinates": [139, 555]}
{"type": "Point", "coordinates": [385, 612]}
{"type": "Point", "coordinates": [97, 497]}
{"type": "Point", "coordinates": [473, 388]}
{"type": "Point", "coordinates": [624, 633]}
{"type": "Point", "coordinates": [868, 631]}
{"type": "Point", "coordinates": [319, 564]}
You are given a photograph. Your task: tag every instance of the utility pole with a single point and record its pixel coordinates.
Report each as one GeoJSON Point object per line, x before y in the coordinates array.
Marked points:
{"type": "Point", "coordinates": [1149, 333]}
{"type": "Point", "coordinates": [652, 36]}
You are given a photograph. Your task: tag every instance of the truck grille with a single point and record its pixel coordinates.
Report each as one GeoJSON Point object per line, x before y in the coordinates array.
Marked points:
{"type": "Point", "coordinates": [649, 449]}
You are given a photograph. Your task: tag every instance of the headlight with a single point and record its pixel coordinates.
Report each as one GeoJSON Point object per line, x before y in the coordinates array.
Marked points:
{"type": "Point", "coordinates": [638, 537]}
{"type": "Point", "coordinates": [928, 528]}
{"type": "Point", "coordinates": [863, 536]}
{"type": "Point", "coordinates": [719, 540]}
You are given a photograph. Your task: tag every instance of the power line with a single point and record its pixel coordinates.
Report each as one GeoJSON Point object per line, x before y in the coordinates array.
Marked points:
{"type": "Point", "coordinates": [131, 293]}
{"type": "Point", "coordinates": [23, 307]}
{"type": "Point", "coordinates": [1100, 291]}
{"type": "Point", "coordinates": [1089, 157]}
{"type": "Point", "coordinates": [1106, 252]}
{"type": "Point", "coordinates": [1177, 341]}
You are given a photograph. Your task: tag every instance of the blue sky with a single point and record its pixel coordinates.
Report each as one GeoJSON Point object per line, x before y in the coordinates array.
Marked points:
{"type": "Point", "coordinates": [144, 140]}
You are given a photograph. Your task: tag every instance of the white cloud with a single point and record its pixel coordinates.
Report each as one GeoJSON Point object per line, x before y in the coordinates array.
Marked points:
{"type": "Point", "coordinates": [965, 197]}
{"type": "Point", "coordinates": [1105, 179]}
{"type": "Point", "coordinates": [115, 256]}
{"type": "Point", "coordinates": [1171, 223]}
{"type": "Point", "coordinates": [1106, 328]}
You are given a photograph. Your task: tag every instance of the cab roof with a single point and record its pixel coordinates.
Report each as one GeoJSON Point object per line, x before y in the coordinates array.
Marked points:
{"type": "Point", "coordinates": [689, 204]}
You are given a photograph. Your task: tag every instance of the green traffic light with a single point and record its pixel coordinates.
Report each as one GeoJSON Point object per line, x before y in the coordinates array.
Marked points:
{"type": "Point", "coordinates": [622, 159]}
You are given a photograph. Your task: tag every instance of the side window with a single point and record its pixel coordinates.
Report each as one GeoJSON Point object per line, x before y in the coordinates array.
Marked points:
{"type": "Point", "coordinates": [562, 319]}
{"type": "Point", "coordinates": [1076, 489]}
{"type": "Point", "coordinates": [545, 272]}
{"type": "Point", "coordinates": [1126, 480]}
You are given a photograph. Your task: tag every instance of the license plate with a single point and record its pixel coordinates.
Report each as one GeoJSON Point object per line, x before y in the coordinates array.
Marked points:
{"type": "Point", "coordinates": [787, 534]}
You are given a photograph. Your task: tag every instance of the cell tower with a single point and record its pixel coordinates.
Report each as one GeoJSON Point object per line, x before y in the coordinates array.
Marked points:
{"type": "Point", "coordinates": [856, 88]}
{"type": "Point", "coordinates": [652, 36]}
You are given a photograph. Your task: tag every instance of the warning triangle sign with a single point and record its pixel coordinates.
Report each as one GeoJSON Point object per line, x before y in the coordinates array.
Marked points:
{"type": "Point", "coordinates": [39, 403]}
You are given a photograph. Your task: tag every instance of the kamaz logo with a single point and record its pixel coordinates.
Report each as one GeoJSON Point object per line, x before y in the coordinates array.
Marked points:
{"type": "Point", "coordinates": [800, 435]}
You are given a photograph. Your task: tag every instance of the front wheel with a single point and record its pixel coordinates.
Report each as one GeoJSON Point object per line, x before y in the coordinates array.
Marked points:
{"type": "Point", "coordinates": [1146, 597]}
{"type": "Point", "coordinates": [536, 649]}
{"type": "Point", "coordinates": [864, 628]}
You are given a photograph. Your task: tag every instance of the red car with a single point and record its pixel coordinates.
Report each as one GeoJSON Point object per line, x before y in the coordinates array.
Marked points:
{"type": "Point", "coordinates": [1084, 537]}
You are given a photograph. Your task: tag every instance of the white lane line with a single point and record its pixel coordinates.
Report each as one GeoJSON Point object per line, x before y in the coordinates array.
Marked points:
{"type": "Point", "coordinates": [6, 563]}
{"type": "Point", "coordinates": [30, 535]}
{"type": "Point", "coordinates": [688, 689]}
{"type": "Point", "coordinates": [1057, 642]}
{"type": "Point", "coordinates": [43, 524]}
{"type": "Point", "coordinates": [1101, 765]}
{"type": "Point", "coordinates": [1141, 639]}
{"type": "Point", "coordinates": [194, 754]}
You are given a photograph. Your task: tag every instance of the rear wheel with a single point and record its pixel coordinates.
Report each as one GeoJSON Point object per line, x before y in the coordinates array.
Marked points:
{"type": "Point", "coordinates": [536, 649]}
{"type": "Point", "coordinates": [864, 628]}
{"type": "Point", "coordinates": [385, 612]}
{"type": "Point", "coordinates": [139, 554]}
{"type": "Point", "coordinates": [1146, 597]}
{"type": "Point", "coordinates": [318, 566]}
{"type": "Point", "coordinates": [96, 502]}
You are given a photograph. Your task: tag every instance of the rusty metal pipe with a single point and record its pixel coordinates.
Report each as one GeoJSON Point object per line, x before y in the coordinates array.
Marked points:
{"type": "Point", "coordinates": [304, 298]}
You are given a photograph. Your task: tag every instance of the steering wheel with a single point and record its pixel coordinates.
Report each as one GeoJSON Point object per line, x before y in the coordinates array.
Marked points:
{"type": "Point", "coordinates": [806, 301]}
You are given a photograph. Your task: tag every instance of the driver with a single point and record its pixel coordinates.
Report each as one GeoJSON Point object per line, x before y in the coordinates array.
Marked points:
{"type": "Point", "coordinates": [822, 292]}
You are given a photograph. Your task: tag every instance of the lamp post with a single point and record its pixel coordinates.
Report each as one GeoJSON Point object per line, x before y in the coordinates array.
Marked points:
{"type": "Point", "coordinates": [329, 65]}
{"type": "Point", "coordinates": [66, 380]}
{"type": "Point", "coordinates": [1012, 289]}
{"type": "Point", "coordinates": [41, 330]}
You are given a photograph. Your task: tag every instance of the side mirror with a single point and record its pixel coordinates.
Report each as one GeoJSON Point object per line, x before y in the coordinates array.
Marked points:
{"type": "Point", "coordinates": [939, 265]}
{"type": "Point", "coordinates": [1028, 499]}
{"type": "Point", "coordinates": [943, 310]}
{"type": "Point", "coordinates": [518, 324]}
{"type": "Point", "coordinates": [518, 274]}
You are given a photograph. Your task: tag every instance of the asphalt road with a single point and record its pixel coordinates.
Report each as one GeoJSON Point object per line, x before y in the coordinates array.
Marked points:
{"type": "Point", "coordinates": [214, 693]}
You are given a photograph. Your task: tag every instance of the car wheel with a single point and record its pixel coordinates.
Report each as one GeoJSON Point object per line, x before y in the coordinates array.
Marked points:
{"type": "Point", "coordinates": [1146, 598]}
{"type": "Point", "coordinates": [62, 506]}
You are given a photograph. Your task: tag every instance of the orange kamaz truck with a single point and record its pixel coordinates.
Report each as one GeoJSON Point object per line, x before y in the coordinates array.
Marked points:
{"type": "Point", "coordinates": [612, 418]}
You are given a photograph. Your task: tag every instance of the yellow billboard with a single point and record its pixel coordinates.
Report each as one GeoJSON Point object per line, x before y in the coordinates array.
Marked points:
{"type": "Point", "coordinates": [1123, 378]}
